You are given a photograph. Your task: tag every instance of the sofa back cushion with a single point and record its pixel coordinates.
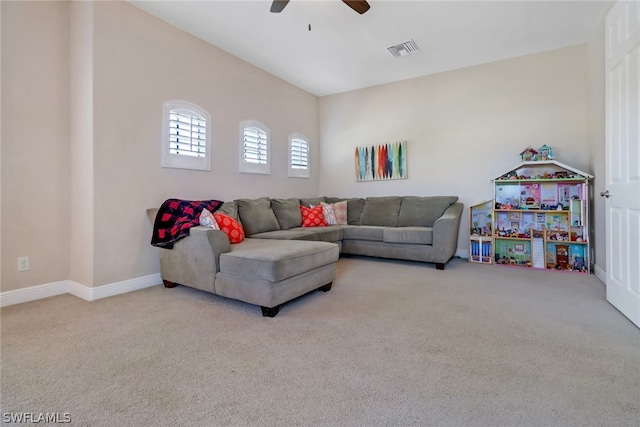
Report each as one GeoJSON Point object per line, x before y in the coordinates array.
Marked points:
{"type": "Point", "coordinates": [333, 199]}
{"type": "Point", "coordinates": [354, 208]}
{"type": "Point", "coordinates": [229, 209]}
{"type": "Point", "coordinates": [287, 212]}
{"type": "Point", "coordinates": [381, 211]}
{"type": "Point", "coordinates": [423, 211]}
{"type": "Point", "coordinates": [257, 216]}
{"type": "Point", "coordinates": [312, 201]}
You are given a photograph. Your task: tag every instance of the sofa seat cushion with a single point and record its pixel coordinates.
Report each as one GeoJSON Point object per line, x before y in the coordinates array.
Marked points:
{"type": "Point", "coordinates": [276, 260]}
{"type": "Point", "coordinates": [299, 233]}
{"type": "Point", "coordinates": [414, 235]}
{"type": "Point", "coordinates": [363, 232]}
{"type": "Point", "coordinates": [331, 233]}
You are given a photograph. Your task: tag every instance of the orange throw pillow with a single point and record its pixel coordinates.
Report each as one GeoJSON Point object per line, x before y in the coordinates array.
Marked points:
{"type": "Point", "coordinates": [313, 217]}
{"type": "Point", "coordinates": [232, 228]}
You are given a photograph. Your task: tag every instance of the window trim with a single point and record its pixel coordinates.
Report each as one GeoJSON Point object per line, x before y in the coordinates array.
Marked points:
{"type": "Point", "coordinates": [297, 172]}
{"type": "Point", "coordinates": [257, 168]}
{"type": "Point", "coordinates": [177, 161]}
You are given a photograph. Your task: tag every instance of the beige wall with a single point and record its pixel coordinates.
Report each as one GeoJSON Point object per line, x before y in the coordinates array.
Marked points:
{"type": "Point", "coordinates": [81, 265]}
{"type": "Point", "coordinates": [463, 127]}
{"type": "Point", "coordinates": [35, 142]}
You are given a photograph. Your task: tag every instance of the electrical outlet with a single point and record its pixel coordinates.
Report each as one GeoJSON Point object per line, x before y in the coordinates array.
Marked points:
{"type": "Point", "coordinates": [23, 263]}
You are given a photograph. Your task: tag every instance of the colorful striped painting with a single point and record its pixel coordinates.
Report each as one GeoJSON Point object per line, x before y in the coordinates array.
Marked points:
{"type": "Point", "coordinates": [381, 162]}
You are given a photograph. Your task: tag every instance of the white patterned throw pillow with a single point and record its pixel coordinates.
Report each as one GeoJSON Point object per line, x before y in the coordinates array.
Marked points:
{"type": "Point", "coordinates": [340, 211]}
{"type": "Point", "coordinates": [329, 214]}
{"type": "Point", "coordinates": [207, 220]}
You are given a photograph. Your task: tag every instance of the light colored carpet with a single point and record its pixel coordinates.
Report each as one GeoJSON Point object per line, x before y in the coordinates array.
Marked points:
{"type": "Point", "coordinates": [392, 344]}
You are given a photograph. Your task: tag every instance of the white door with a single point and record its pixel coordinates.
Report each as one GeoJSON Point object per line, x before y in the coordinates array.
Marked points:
{"type": "Point", "coordinates": [623, 158]}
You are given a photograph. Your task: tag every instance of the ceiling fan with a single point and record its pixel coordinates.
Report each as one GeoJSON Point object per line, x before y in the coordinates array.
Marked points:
{"type": "Point", "coordinates": [359, 6]}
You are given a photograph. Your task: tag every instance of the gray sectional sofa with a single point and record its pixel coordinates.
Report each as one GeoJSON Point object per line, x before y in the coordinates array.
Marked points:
{"type": "Point", "coordinates": [280, 260]}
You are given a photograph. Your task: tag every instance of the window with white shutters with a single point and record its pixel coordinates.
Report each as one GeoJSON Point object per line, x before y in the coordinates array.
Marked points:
{"type": "Point", "coordinates": [187, 133]}
{"type": "Point", "coordinates": [298, 156]}
{"type": "Point", "coordinates": [254, 148]}
{"type": "Point", "coordinates": [186, 136]}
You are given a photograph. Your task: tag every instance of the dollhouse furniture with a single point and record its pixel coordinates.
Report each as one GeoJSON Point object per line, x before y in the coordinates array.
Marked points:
{"type": "Point", "coordinates": [541, 217]}
{"type": "Point", "coordinates": [480, 233]}
{"type": "Point", "coordinates": [562, 257]}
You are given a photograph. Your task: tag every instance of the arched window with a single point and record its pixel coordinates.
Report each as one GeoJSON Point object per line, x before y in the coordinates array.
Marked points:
{"type": "Point", "coordinates": [298, 156]}
{"type": "Point", "coordinates": [254, 147]}
{"type": "Point", "coordinates": [186, 141]}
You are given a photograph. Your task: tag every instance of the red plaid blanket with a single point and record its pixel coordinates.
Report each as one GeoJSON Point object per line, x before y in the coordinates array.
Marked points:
{"type": "Point", "coordinates": [175, 217]}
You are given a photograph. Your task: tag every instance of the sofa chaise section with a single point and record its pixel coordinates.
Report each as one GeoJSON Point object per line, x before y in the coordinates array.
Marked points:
{"type": "Point", "coordinates": [269, 273]}
{"type": "Point", "coordinates": [263, 272]}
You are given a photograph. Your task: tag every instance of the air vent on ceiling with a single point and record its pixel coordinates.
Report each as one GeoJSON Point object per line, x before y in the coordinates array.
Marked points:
{"type": "Point", "coordinates": [404, 49]}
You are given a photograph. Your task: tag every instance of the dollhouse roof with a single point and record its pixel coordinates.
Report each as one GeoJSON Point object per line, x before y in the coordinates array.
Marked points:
{"type": "Point", "coordinates": [529, 150]}
{"type": "Point", "coordinates": [486, 202]}
{"type": "Point", "coordinates": [545, 162]}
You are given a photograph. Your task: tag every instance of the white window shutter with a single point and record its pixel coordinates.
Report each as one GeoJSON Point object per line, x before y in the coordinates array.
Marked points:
{"type": "Point", "coordinates": [254, 148]}
{"type": "Point", "coordinates": [186, 142]}
{"type": "Point", "coordinates": [298, 156]}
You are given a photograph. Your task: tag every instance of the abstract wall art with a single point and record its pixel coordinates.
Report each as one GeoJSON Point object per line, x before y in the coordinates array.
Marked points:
{"type": "Point", "coordinates": [381, 162]}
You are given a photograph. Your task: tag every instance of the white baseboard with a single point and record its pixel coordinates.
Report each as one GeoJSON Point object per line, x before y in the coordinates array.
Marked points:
{"type": "Point", "coordinates": [125, 286]}
{"type": "Point", "coordinates": [84, 292]}
{"type": "Point", "coordinates": [81, 291]}
{"type": "Point", "coordinates": [600, 274]}
{"type": "Point", "coordinates": [33, 293]}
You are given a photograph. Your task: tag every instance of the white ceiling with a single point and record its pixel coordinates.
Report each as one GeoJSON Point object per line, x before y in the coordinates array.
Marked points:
{"type": "Point", "coordinates": [346, 51]}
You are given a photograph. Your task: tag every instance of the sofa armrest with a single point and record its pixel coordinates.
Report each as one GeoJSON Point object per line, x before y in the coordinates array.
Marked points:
{"type": "Point", "coordinates": [219, 241]}
{"type": "Point", "coordinates": [445, 233]}
{"type": "Point", "coordinates": [195, 260]}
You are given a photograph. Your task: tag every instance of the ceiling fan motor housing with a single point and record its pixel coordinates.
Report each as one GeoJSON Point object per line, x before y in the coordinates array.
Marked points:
{"type": "Point", "coordinates": [359, 6]}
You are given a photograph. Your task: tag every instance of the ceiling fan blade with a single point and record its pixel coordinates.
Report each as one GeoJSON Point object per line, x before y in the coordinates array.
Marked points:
{"type": "Point", "coordinates": [359, 6]}
{"type": "Point", "coordinates": [278, 5]}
